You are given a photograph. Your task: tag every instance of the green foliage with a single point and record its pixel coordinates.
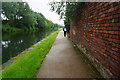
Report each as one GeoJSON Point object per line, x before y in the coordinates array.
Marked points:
{"type": "Point", "coordinates": [9, 9]}
{"type": "Point", "coordinates": [8, 28]}
{"type": "Point", "coordinates": [19, 15]}
{"type": "Point", "coordinates": [66, 10]}
{"type": "Point", "coordinates": [27, 65]}
{"type": "Point", "coordinates": [58, 7]}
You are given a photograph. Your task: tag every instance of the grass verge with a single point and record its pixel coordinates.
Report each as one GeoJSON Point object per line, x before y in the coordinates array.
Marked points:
{"type": "Point", "coordinates": [27, 65]}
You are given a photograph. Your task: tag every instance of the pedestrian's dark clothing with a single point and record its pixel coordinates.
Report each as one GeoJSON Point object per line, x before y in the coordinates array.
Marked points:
{"type": "Point", "coordinates": [64, 33]}
{"type": "Point", "coordinates": [65, 30]}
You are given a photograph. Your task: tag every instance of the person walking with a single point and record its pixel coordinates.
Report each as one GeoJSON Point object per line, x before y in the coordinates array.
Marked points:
{"type": "Point", "coordinates": [65, 30]}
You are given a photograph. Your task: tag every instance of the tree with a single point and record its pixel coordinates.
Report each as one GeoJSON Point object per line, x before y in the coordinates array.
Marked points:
{"type": "Point", "coordinates": [40, 20]}
{"type": "Point", "coordinates": [19, 14]}
{"type": "Point", "coordinates": [66, 9]}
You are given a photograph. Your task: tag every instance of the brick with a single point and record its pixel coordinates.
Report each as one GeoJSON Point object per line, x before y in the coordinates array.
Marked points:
{"type": "Point", "coordinates": [114, 28]}
{"type": "Point", "coordinates": [119, 11]}
{"type": "Point", "coordinates": [113, 56]}
{"type": "Point", "coordinates": [114, 72]}
{"type": "Point", "coordinates": [113, 20]}
{"type": "Point", "coordinates": [102, 39]}
{"type": "Point", "coordinates": [116, 32]}
{"type": "Point", "coordinates": [116, 40]}
{"type": "Point", "coordinates": [110, 9]}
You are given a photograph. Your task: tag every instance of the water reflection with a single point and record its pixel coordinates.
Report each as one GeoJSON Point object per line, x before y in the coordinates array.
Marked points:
{"type": "Point", "coordinates": [14, 43]}
{"type": "Point", "coordinates": [5, 43]}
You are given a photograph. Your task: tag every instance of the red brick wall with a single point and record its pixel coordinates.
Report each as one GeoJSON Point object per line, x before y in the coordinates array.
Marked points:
{"type": "Point", "coordinates": [97, 29]}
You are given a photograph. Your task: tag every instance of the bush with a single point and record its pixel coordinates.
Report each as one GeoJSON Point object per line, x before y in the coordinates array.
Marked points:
{"type": "Point", "coordinates": [8, 28]}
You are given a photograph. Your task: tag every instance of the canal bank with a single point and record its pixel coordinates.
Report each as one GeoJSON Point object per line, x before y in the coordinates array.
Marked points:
{"type": "Point", "coordinates": [15, 43]}
{"type": "Point", "coordinates": [27, 65]}
{"type": "Point", "coordinates": [21, 54]}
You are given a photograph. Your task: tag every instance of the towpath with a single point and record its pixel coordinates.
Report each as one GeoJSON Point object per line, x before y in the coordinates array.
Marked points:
{"type": "Point", "coordinates": [64, 61]}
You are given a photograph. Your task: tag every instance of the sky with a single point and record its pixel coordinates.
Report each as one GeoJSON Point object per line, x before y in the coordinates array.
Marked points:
{"type": "Point", "coordinates": [43, 7]}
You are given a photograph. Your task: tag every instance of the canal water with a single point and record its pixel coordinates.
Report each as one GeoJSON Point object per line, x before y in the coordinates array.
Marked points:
{"type": "Point", "coordinates": [14, 43]}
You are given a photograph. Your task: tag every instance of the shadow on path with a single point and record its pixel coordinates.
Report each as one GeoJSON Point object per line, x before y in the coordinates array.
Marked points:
{"type": "Point", "coordinates": [64, 61]}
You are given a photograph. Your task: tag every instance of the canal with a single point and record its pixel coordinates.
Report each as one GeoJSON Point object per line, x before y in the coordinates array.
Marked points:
{"type": "Point", "coordinates": [14, 43]}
